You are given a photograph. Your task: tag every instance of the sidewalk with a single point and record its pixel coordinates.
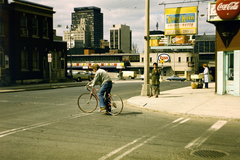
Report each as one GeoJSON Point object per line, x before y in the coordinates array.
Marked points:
{"type": "Point", "coordinates": [192, 102]}
{"type": "Point", "coordinates": [40, 86]}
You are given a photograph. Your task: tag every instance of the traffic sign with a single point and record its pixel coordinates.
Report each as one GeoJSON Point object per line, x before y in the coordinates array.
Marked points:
{"type": "Point", "coordinates": [49, 57]}
{"type": "Point", "coordinates": [162, 61]}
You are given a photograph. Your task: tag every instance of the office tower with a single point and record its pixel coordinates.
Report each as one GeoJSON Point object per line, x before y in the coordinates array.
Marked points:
{"type": "Point", "coordinates": [121, 38]}
{"type": "Point", "coordinates": [86, 28]}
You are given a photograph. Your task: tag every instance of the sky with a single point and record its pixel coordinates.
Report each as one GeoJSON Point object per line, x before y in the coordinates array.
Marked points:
{"type": "Point", "coordinates": [129, 12]}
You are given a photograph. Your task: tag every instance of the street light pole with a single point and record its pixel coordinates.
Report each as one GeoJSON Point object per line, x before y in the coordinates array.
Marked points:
{"type": "Point", "coordinates": [146, 87]}
{"type": "Point", "coordinates": [70, 53]}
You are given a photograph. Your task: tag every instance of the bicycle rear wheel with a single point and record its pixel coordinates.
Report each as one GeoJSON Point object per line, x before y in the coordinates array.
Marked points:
{"type": "Point", "coordinates": [87, 102]}
{"type": "Point", "coordinates": [116, 104]}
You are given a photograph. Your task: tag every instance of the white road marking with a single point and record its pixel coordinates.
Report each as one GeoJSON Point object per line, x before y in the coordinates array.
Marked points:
{"type": "Point", "coordinates": [21, 129]}
{"type": "Point", "coordinates": [132, 149]}
{"type": "Point", "coordinates": [119, 149]}
{"type": "Point", "coordinates": [141, 144]}
{"type": "Point", "coordinates": [200, 140]}
{"type": "Point", "coordinates": [177, 120]}
{"type": "Point", "coordinates": [185, 120]}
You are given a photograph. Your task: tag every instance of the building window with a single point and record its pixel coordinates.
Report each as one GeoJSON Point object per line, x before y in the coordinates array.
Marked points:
{"type": "Point", "coordinates": [54, 60]}
{"type": "Point", "coordinates": [150, 59]}
{"type": "Point", "coordinates": [187, 59]}
{"type": "Point", "coordinates": [35, 60]}
{"type": "Point", "coordinates": [179, 59]}
{"type": "Point", "coordinates": [142, 59]}
{"type": "Point", "coordinates": [45, 28]}
{"type": "Point", "coordinates": [1, 27]}
{"type": "Point", "coordinates": [116, 39]}
{"type": "Point", "coordinates": [111, 39]}
{"type": "Point", "coordinates": [24, 31]}
{"type": "Point", "coordinates": [34, 27]}
{"type": "Point", "coordinates": [191, 59]}
{"type": "Point", "coordinates": [2, 58]}
{"type": "Point", "coordinates": [24, 60]}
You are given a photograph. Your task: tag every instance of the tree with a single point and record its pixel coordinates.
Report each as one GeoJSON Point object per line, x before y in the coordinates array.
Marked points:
{"type": "Point", "coordinates": [135, 49]}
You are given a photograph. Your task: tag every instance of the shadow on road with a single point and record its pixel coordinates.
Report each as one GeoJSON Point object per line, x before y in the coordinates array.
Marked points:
{"type": "Point", "coordinates": [131, 113]}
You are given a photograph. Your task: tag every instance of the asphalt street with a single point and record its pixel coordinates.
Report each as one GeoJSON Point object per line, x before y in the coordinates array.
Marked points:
{"type": "Point", "coordinates": [47, 124]}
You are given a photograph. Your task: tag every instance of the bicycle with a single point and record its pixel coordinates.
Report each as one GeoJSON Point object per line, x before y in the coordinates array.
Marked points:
{"type": "Point", "coordinates": [89, 102]}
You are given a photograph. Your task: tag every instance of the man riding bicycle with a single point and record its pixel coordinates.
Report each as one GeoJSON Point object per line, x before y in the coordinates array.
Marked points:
{"type": "Point", "coordinates": [101, 77]}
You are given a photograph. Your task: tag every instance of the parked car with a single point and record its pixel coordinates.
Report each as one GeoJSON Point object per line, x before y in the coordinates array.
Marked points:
{"type": "Point", "coordinates": [176, 78]}
{"type": "Point", "coordinates": [79, 76]}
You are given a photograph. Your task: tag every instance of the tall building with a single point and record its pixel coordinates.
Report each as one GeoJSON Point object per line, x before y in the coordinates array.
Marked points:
{"type": "Point", "coordinates": [86, 28]}
{"type": "Point", "coordinates": [121, 38]}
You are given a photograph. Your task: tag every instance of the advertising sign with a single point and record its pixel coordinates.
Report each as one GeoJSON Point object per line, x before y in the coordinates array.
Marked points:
{"type": "Point", "coordinates": [164, 56]}
{"type": "Point", "coordinates": [221, 11]}
{"type": "Point", "coordinates": [181, 20]}
{"type": "Point", "coordinates": [228, 9]}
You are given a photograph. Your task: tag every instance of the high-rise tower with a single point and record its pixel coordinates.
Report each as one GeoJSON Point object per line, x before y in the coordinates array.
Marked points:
{"type": "Point", "coordinates": [88, 21]}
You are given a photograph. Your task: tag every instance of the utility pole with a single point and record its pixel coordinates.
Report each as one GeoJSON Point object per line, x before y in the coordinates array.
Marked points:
{"type": "Point", "coordinates": [146, 86]}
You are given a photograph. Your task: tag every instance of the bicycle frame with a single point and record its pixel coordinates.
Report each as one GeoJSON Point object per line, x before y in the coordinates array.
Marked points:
{"type": "Point", "coordinates": [93, 93]}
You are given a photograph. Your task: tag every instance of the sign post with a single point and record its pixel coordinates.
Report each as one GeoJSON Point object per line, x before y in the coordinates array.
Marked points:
{"type": "Point", "coordinates": [49, 61]}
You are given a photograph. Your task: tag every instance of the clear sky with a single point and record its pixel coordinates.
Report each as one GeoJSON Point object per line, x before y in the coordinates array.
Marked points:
{"type": "Point", "coordinates": [129, 12]}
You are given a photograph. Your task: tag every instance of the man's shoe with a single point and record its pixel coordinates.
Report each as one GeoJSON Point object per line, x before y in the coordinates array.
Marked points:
{"type": "Point", "coordinates": [150, 96]}
{"type": "Point", "coordinates": [107, 113]}
{"type": "Point", "coordinates": [156, 96]}
{"type": "Point", "coordinates": [103, 108]}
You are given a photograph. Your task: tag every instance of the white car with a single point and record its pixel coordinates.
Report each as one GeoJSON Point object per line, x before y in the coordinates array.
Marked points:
{"type": "Point", "coordinates": [79, 76]}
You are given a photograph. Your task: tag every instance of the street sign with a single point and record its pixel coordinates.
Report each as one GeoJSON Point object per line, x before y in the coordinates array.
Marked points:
{"type": "Point", "coordinates": [162, 61]}
{"type": "Point", "coordinates": [49, 57]}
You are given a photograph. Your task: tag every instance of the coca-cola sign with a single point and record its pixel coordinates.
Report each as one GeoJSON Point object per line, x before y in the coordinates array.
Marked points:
{"type": "Point", "coordinates": [228, 9]}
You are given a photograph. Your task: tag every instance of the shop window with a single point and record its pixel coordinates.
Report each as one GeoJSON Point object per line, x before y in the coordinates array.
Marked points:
{"type": "Point", "coordinates": [2, 58]}
{"type": "Point", "coordinates": [1, 27]}
{"type": "Point", "coordinates": [34, 27]}
{"type": "Point", "coordinates": [45, 28]}
{"type": "Point", "coordinates": [35, 60]}
{"type": "Point", "coordinates": [23, 26]}
{"type": "Point", "coordinates": [24, 60]}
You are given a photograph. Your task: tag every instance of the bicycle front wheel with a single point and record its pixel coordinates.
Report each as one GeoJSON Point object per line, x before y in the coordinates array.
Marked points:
{"type": "Point", "coordinates": [87, 102]}
{"type": "Point", "coordinates": [116, 104]}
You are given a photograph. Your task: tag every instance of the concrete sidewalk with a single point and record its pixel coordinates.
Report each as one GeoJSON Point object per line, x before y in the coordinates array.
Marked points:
{"type": "Point", "coordinates": [192, 102]}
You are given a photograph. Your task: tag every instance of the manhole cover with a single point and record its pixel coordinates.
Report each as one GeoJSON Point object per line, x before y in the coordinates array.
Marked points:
{"type": "Point", "coordinates": [208, 153]}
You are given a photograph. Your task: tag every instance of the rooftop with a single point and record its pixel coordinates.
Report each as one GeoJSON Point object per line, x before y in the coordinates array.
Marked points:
{"type": "Point", "coordinates": [35, 4]}
{"type": "Point", "coordinates": [87, 8]}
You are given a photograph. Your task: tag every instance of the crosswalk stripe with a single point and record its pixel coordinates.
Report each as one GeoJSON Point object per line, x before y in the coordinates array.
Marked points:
{"type": "Point", "coordinates": [200, 140]}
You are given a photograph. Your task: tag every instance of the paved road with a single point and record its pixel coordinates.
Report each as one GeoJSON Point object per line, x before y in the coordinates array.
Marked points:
{"type": "Point", "coordinates": [47, 124]}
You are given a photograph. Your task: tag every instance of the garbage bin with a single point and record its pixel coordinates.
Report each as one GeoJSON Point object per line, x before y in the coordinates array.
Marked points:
{"type": "Point", "coordinates": [197, 81]}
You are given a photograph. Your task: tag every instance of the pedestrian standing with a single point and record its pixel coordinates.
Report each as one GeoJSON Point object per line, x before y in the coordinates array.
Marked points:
{"type": "Point", "coordinates": [206, 74]}
{"type": "Point", "coordinates": [154, 88]}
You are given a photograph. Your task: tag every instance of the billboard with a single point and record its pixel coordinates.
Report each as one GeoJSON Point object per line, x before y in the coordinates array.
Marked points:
{"type": "Point", "coordinates": [181, 20]}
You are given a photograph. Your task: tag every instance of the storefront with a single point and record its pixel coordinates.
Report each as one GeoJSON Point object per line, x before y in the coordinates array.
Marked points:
{"type": "Point", "coordinates": [225, 15]}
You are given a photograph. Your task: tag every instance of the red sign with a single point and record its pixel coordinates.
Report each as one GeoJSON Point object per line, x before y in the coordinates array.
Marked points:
{"type": "Point", "coordinates": [228, 9]}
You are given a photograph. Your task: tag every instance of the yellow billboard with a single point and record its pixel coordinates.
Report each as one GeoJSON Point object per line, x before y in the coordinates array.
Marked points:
{"type": "Point", "coordinates": [181, 20]}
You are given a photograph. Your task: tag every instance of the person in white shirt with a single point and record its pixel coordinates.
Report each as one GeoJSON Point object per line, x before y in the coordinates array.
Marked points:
{"type": "Point", "coordinates": [206, 75]}
{"type": "Point", "coordinates": [101, 77]}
